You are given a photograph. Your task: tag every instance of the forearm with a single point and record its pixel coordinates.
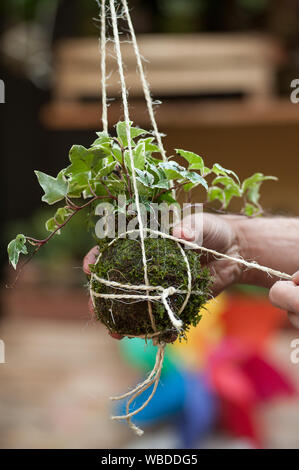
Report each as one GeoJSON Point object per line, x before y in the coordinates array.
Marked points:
{"type": "Point", "coordinates": [272, 242]}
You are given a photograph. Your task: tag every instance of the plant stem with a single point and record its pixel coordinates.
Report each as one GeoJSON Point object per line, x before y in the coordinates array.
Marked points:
{"type": "Point", "coordinates": [177, 186]}
{"type": "Point", "coordinates": [75, 210]}
{"type": "Point", "coordinates": [124, 167]}
{"type": "Point", "coordinates": [108, 191]}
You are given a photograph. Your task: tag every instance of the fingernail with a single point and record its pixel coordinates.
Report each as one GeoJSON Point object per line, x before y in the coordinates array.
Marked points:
{"type": "Point", "coordinates": [115, 335]}
{"type": "Point", "coordinates": [188, 233]}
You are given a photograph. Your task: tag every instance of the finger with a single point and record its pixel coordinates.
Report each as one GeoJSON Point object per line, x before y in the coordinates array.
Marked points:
{"type": "Point", "coordinates": [184, 231]}
{"type": "Point", "coordinates": [90, 258]}
{"type": "Point", "coordinates": [200, 230]}
{"type": "Point", "coordinates": [296, 278]}
{"type": "Point", "coordinates": [170, 337]}
{"type": "Point", "coordinates": [285, 295]}
{"type": "Point", "coordinates": [91, 307]}
{"type": "Point", "coordinates": [206, 229]}
{"type": "Point", "coordinates": [115, 335]}
{"type": "Point", "coordinates": [223, 274]}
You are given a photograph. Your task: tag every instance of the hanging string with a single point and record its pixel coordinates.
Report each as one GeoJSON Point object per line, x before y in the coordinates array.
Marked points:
{"type": "Point", "coordinates": [153, 379]}
{"type": "Point", "coordinates": [145, 85]}
{"type": "Point", "coordinates": [103, 43]}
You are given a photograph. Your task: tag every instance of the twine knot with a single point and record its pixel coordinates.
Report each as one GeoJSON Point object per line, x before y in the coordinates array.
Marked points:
{"type": "Point", "coordinates": [178, 324]}
{"type": "Point", "coordinates": [169, 291]}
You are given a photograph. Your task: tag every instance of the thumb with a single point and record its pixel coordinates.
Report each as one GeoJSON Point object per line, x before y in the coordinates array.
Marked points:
{"type": "Point", "coordinates": [186, 233]}
{"type": "Point", "coordinates": [295, 278]}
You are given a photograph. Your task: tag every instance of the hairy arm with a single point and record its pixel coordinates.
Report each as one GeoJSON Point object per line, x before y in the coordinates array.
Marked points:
{"type": "Point", "coordinates": [272, 242]}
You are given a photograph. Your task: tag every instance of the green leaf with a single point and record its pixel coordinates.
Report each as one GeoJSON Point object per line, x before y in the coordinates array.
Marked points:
{"type": "Point", "coordinates": [103, 138]}
{"type": "Point", "coordinates": [250, 210]}
{"type": "Point", "coordinates": [15, 248]}
{"type": "Point", "coordinates": [225, 181]}
{"type": "Point", "coordinates": [85, 160]}
{"type": "Point", "coordinates": [195, 178]}
{"type": "Point", "coordinates": [59, 218]}
{"type": "Point", "coordinates": [149, 146]}
{"type": "Point", "coordinates": [115, 185]}
{"type": "Point", "coordinates": [55, 188]}
{"type": "Point", "coordinates": [216, 193]}
{"type": "Point", "coordinates": [256, 178]}
{"type": "Point", "coordinates": [160, 180]}
{"type": "Point", "coordinates": [138, 156]}
{"type": "Point", "coordinates": [146, 178]}
{"type": "Point", "coordinates": [207, 171]}
{"type": "Point", "coordinates": [253, 193]}
{"type": "Point", "coordinates": [116, 152]}
{"type": "Point", "coordinates": [195, 161]}
{"type": "Point", "coordinates": [229, 193]}
{"type": "Point", "coordinates": [219, 170]}
{"type": "Point", "coordinates": [153, 160]}
{"type": "Point", "coordinates": [97, 188]}
{"type": "Point", "coordinates": [78, 183]}
{"type": "Point", "coordinates": [231, 188]}
{"type": "Point", "coordinates": [174, 171]}
{"type": "Point", "coordinates": [107, 170]}
{"type": "Point", "coordinates": [188, 186]}
{"type": "Point", "coordinates": [98, 152]}
{"type": "Point", "coordinates": [122, 133]}
{"type": "Point", "coordinates": [251, 187]}
{"type": "Point", "coordinates": [51, 225]}
{"type": "Point", "coordinates": [163, 184]}
{"type": "Point", "coordinates": [167, 197]}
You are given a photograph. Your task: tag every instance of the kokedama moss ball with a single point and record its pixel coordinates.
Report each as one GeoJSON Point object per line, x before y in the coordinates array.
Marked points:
{"type": "Point", "coordinates": [122, 262]}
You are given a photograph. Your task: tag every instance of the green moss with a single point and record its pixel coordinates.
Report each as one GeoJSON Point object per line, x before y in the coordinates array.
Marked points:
{"type": "Point", "coordinates": [122, 262]}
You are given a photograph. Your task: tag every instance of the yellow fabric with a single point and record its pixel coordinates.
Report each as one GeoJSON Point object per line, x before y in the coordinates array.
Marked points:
{"type": "Point", "coordinates": [193, 352]}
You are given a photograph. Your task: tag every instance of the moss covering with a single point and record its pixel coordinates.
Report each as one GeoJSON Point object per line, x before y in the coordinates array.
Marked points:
{"type": "Point", "coordinates": [122, 262]}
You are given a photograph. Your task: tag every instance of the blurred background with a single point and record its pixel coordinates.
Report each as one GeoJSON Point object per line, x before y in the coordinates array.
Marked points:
{"type": "Point", "coordinates": [223, 72]}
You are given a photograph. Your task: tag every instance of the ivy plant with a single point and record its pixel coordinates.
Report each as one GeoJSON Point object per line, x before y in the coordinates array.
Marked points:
{"type": "Point", "coordinates": [103, 171]}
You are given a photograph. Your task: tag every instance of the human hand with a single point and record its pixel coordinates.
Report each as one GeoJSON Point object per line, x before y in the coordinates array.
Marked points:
{"type": "Point", "coordinates": [285, 295]}
{"type": "Point", "coordinates": [217, 232]}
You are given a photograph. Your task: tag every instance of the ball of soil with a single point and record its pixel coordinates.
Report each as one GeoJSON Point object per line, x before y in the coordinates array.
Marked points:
{"type": "Point", "coordinates": [122, 262]}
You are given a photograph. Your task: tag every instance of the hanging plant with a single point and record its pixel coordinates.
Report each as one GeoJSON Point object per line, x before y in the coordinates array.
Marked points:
{"type": "Point", "coordinates": [144, 282]}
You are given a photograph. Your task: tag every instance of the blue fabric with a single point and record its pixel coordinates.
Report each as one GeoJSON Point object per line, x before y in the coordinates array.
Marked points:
{"type": "Point", "coordinates": [200, 411]}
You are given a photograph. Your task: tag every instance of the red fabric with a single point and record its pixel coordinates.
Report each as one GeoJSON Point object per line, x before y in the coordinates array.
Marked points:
{"type": "Point", "coordinates": [241, 422]}
{"type": "Point", "coordinates": [252, 319]}
{"type": "Point", "coordinates": [267, 382]}
{"type": "Point", "coordinates": [242, 379]}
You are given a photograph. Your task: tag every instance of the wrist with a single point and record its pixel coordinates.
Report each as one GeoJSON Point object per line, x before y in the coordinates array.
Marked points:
{"type": "Point", "coordinates": [248, 239]}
